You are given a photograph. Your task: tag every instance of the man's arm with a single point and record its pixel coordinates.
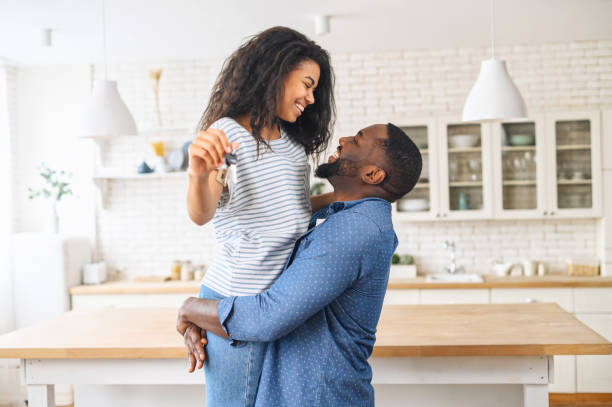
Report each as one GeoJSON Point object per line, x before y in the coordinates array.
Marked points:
{"type": "Point", "coordinates": [319, 274]}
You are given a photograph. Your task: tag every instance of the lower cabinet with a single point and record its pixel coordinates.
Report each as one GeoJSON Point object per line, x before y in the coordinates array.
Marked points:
{"type": "Point", "coordinates": [594, 372]}
{"type": "Point", "coordinates": [455, 296]}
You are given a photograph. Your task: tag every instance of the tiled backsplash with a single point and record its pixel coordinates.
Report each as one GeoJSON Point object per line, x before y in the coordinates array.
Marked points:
{"type": "Point", "coordinates": [145, 225]}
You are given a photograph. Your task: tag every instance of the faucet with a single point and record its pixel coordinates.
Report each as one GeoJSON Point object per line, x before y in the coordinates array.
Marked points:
{"type": "Point", "coordinates": [452, 266]}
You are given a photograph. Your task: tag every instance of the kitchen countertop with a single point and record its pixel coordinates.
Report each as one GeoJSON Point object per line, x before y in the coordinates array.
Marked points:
{"type": "Point", "coordinates": [490, 281]}
{"type": "Point", "coordinates": [403, 331]}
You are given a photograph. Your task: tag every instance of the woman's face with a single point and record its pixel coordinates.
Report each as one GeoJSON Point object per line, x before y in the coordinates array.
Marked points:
{"type": "Point", "coordinates": [298, 91]}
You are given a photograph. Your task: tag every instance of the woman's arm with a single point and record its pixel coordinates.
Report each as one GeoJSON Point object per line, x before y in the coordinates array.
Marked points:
{"type": "Point", "coordinates": [206, 153]}
{"type": "Point", "coordinates": [319, 201]}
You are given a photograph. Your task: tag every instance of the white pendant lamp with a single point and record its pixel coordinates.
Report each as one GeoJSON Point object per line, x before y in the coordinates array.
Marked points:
{"type": "Point", "coordinates": [494, 96]}
{"type": "Point", "coordinates": [106, 115]}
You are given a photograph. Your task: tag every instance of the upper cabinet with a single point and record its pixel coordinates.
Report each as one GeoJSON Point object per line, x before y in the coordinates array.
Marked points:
{"type": "Point", "coordinates": [548, 166]}
{"type": "Point", "coordinates": [519, 169]}
{"type": "Point", "coordinates": [574, 164]}
{"type": "Point", "coordinates": [465, 169]}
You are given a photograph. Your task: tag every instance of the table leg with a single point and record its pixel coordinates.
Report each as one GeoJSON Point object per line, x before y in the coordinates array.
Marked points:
{"type": "Point", "coordinates": [535, 395]}
{"type": "Point", "coordinates": [41, 395]}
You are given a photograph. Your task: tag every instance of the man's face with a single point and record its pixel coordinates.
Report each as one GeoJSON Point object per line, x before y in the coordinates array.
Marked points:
{"type": "Point", "coordinates": [354, 153]}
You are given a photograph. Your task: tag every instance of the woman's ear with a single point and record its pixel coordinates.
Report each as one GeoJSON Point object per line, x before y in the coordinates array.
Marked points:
{"type": "Point", "coordinates": [373, 175]}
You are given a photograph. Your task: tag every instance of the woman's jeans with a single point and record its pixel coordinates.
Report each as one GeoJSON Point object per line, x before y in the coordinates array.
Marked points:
{"type": "Point", "coordinates": [232, 371]}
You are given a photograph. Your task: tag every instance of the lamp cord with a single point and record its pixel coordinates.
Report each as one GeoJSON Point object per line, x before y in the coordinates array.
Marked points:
{"type": "Point", "coordinates": [492, 29]}
{"type": "Point", "coordinates": [104, 38]}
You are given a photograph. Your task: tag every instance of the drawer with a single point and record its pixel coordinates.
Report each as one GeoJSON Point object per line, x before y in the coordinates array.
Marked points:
{"type": "Point", "coordinates": [128, 300]}
{"type": "Point", "coordinates": [598, 299]}
{"type": "Point", "coordinates": [402, 297]}
{"type": "Point", "coordinates": [454, 296]}
{"type": "Point", "coordinates": [561, 296]}
{"type": "Point", "coordinates": [564, 375]}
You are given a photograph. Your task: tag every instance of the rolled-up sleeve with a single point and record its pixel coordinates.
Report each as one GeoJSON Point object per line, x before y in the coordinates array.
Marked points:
{"type": "Point", "coordinates": [324, 267]}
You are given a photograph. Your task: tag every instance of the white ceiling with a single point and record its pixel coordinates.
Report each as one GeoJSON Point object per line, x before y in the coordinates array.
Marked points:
{"type": "Point", "coordinates": [163, 29]}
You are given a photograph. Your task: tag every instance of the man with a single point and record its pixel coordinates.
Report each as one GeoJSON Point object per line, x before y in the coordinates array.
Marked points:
{"type": "Point", "coordinates": [320, 315]}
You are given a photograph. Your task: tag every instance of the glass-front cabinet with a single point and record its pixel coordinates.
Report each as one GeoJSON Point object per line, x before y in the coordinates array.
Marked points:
{"type": "Point", "coordinates": [547, 166]}
{"type": "Point", "coordinates": [519, 169]}
{"type": "Point", "coordinates": [574, 157]}
{"type": "Point", "coordinates": [465, 170]}
{"type": "Point", "coordinates": [422, 201]}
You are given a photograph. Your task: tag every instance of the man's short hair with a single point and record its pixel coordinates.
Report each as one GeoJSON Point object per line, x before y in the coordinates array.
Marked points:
{"type": "Point", "coordinates": [404, 163]}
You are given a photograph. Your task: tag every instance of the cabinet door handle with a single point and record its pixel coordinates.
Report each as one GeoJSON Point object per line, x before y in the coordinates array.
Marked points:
{"type": "Point", "coordinates": [437, 215]}
{"type": "Point", "coordinates": [527, 299]}
{"type": "Point", "coordinates": [444, 214]}
{"type": "Point", "coordinates": [545, 213]}
{"type": "Point", "coordinates": [552, 213]}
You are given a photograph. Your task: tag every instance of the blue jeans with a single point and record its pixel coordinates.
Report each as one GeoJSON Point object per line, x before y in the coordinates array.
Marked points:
{"type": "Point", "coordinates": [232, 371]}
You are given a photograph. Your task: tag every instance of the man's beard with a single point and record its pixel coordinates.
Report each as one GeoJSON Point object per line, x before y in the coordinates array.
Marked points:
{"type": "Point", "coordinates": [340, 167]}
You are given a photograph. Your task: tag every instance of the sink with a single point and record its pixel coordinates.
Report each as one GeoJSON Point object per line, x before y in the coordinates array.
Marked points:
{"type": "Point", "coordinates": [453, 278]}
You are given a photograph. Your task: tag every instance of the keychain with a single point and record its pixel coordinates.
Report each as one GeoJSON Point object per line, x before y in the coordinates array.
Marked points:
{"type": "Point", "coordinates": [229, 171]}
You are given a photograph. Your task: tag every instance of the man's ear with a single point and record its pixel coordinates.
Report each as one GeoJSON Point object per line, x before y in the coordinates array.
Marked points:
{"type": "Point", "coordinates": [373, 175]}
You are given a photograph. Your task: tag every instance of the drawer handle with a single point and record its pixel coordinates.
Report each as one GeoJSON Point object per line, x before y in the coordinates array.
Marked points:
{"type": "Point", "coordinates": [527, 299]}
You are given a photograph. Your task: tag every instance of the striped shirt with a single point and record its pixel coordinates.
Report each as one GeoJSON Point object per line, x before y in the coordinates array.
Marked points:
{"type": "Point", "coordinates": [261, 216]}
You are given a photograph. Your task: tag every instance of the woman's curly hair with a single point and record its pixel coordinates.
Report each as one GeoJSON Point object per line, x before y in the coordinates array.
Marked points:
{"type": "Point", "coordinates": [252, 81]}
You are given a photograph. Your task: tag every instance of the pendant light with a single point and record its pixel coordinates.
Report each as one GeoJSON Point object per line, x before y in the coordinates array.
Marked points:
{"type": "Point", "coordinates": [494, 96]}
{"type": "Point", "coordinates": [106, 115]}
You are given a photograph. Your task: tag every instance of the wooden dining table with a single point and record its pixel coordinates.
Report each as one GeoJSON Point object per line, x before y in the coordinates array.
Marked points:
{"type": "Point", "coordinates": [443, 345]}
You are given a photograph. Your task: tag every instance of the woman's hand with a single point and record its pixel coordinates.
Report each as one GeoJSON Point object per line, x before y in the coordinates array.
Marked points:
{"type": "Point", "coordinates": [207, 151]}
{"type": "Point", "coordinates": [195, 339]}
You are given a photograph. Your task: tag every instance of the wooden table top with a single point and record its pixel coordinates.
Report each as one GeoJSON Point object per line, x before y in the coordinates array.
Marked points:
{"type": "Point", "coordinates": [490, 281]}
{"type": "Point", "coordinates": [404, 330]}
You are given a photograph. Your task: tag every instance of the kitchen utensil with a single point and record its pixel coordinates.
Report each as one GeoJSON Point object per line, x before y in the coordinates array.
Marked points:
{"type": "Point", "coordinates": [144, 168]}
{"type": "Point", "coordinates": [502, 269]}
{"type": "Point", "coordinates": [521, 139]}
{"type": "Point", "coordinates": [463, 140]}
{"type": "Point", "coordinates": [529, 267]}
{"type": "Point", "coordinates": [94, 273]}
{"type": "Point", "coordinates": [463, 204]}
{"type": "Point", "coordinates": [176, 159]}
{"type": "Point", "coordinates": [475, 169]}
{"type": "Point", "coordinates": [541, 269]}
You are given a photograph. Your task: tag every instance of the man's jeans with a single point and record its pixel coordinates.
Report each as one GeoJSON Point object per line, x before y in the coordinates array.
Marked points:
{"type": "Point", "coordinates": [232, 371]}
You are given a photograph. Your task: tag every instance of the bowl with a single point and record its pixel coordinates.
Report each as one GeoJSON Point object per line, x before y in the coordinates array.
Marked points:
{"type": "Point", "coordinates": [463, 140]}
{"type": "Point", "coordinates": [412, 205]}
{"type": "Point", "coordinates": [521, 139]}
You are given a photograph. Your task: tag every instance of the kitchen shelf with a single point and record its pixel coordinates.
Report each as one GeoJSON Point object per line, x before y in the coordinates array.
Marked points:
{"type": "Point", "coordinates": [422, 185]}
{"type": "Point", "coordinates": [574, 182]}
{"type": "Point", "coordinates": [519, 182]}
{"type": "Point", "coordinates": [574, 147]}
{"type": "Point", "coordinates": [465, 184]}
{"type": "Point", "coordinates": [518, 148]}
{"type": "Point", "coordinates": [153, 175]}
{"type": "Point", "coordinates": [465, 150]}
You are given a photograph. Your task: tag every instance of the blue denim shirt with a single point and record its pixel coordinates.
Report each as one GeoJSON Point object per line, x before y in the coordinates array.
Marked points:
{"type": "Point", "coordinates": [320, 316]}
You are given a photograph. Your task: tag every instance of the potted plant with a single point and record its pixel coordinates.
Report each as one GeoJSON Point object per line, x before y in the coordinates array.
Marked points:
{"type": "Point", "coordinates": [57, 185]}
{"type": "Point", "coordinates": [402, 266]}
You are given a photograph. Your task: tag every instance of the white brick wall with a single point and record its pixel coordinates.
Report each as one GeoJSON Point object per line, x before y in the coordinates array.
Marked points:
{"type": "Point", "coordinates": [145, 225]}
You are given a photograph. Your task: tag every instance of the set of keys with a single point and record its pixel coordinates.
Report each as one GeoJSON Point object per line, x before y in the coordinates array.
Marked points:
{"type": "Point", "coordinates": [224, 174]}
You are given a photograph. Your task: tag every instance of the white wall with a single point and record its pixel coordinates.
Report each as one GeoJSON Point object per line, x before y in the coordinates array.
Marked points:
{"type": "Point", "coordinates": [145, 225]}
{"type": "Point", "coordinates": [50, 100]}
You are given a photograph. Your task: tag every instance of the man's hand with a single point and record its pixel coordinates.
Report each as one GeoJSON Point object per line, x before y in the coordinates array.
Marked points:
{"type": "Point", "coordinates": [182, 320]}
{"type": "Point", "coordinates": [195, 339]}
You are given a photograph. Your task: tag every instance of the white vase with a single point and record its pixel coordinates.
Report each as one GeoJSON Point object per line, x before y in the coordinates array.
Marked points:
{"type": "Point", "coordinates": [53, 218]}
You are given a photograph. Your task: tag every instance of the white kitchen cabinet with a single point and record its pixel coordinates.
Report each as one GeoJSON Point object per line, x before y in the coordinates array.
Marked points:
{"type": "Point", "coordinates": [519, 169]}
{"type": "Point", "coordinates": [454, 296]}
{"type": "Point", "coordinates": [547, 166]}
{"type": "Point", "coordinates": [401, 297]}
{"type": "Point", "coordinates": [423, 201]}
{"type": "Point", "coordinates": [465, 169]}
{"type": "Point", "coordinates": [574, 164]}
{"type": "Point", "coordinates": [594, 372]}
{"type": "Point", "coordinates": [593, 300]}
{"type": "Point", "coordinates": [562, 296]}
